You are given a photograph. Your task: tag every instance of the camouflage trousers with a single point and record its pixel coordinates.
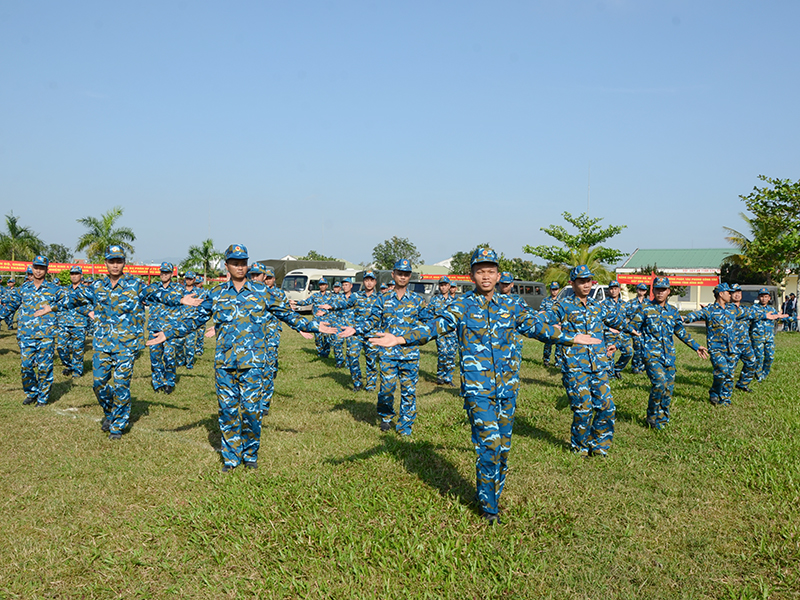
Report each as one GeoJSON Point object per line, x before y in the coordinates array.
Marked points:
{"type": "Point", "coordinates": [355, 345]}
{"type": "Point", "coordinates": [270, 373]}
{"type": "Point", "coordinates": [323, 342]}
{"type": "Point", "coordinates": [162, 364]}
{"type": "Point", "coordinates": [407, 371]}
{"type": "Point", "coordinates": [446, 350]}
{"type": "Point", "coordinates": [185, 350]}
{"type": "Point", "coordinates": [662, 382]}
{"type": "Point", "coordinates": [593, 411]}
{"type": "Point", "coordinates": [748, 358]}
{"type": "Point", "coordinates": [337, 344]}
{"type": "Point", "coordinates": [199, 345]}
{"type": "Point", "coordinates": [559, 359]}
{"type": "Point", "coordinates": [491, 420]}
{"type": "Point", "coordinates": [239, 393]}
{"type": "Point", "coordinates": [623, 343]}
{"type": "Point", "coordinates": [112, 386]}
{"type": "Point", "coordinates": [36, 365]}
{"type": "Point", "coordinates": [724, 364]}
{"type": "Point", "coordinates": [637, 360]}
{"type": "Point", "coordinates": [764, 351]}
{"type": "Point", "coordinates": [71, 347]}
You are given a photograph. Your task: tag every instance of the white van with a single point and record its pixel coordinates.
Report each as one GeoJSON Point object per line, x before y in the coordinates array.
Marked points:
{"type": "Point", "coordinates": [301, 283]}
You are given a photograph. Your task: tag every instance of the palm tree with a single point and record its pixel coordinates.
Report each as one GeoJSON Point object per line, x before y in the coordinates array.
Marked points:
{"type": "Point", "coordinates": [580, 256]}
{"type": "Point", "coordinates": [102, 234]}
{"type": "Point", "coordinates": [740, 241]}
{"type": "Point", "coordinates": [19, 243]}
{"type": "Point", "coordinates": [203, 258]}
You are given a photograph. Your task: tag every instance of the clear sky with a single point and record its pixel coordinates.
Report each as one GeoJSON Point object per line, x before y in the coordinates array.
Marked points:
{"type": "Point", "coordinates": [290, 126]}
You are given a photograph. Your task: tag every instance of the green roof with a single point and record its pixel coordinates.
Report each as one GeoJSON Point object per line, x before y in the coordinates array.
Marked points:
{"type": "Point", "coordinates": [700, 258]}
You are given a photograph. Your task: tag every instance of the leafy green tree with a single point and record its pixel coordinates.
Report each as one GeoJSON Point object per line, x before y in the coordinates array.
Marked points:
{"type": "Point", "coordinates": [521, 269]}
{"type": "Point", "coordinates": [18, 242]}
{"type": "Point", "coordinates": [58, 253]}
{"type": "Point", "coordinates": [392, 250]}
{"type": "Point", "coordinates": [204, 258]}
{"type": "Point", "coordinates": [314, 255]}
{"type": "Point", "coordinates": [101, 234]}
{"type": "Point", "coordinates": [583, 248]}
{"type": "Point", "coordinates": [676, 290]}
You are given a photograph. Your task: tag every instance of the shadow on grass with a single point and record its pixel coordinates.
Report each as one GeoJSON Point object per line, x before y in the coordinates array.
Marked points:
{"type": "Point", "coordinates": [540, 382]}
{"type": "Point", "coordinates": [343, 378]}
{"type": "Point", "coordinates": [422, 460]}
{"type": "Point", "coordinates": [140, 408]}
{"type": "Point", "coordinates": [59, 389]}
{"type": "Point", "coordinates": [443, 389]}
{"type": "Point", "coordinates": [523, 427]}
{"type": "Point", "coordinates": [211, 425]}
{"type": "Point", "coordinates": [361, 410]}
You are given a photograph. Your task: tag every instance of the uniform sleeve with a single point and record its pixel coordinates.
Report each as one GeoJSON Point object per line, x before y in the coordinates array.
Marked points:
{"type": "Point", "coordinates": [184, 326]}
{"type": "Point", "coordinates": [433, 328]}
{"type": "Point", "coordinates": [680, 331]}
{"type": "Point", "coordinates": [281, 309]}
{"type": "Point", "coordinates": [158, 293]}
{"type": "Point", "coordinates": [372, 319]}
{"type": "Point", "coordinates": [12, 302]}
{"type": "Point", "coordinates": [535, 325]}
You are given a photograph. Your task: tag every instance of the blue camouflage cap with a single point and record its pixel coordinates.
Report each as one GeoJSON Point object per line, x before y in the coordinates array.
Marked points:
{"type": "Point", "coordinates": [642, 286]}
{"type": "Point", "coordinates": [41, 261]}
{"type": "Point", "coordinates": [483, 255]}
{"type": "Point", "coordinates": [444, 279]}
{"type": "Point", "coordinates": [198, 279]}
{"type": "Point", "coordinates": [269, 271]}
{"type": "Point", "coordinates": [581, 272]}
{"type": "Point", "coordinates": [337, 284]}
{"type": "Point", "coordinates": [763, 291]}
{"type": "Point", "coordinates": [347, 280]}
{"type": "Point", "coordinates": [114, 251]}
{"type": "Point", "coordinates": [189, 275]}
{"type": "Point", "coordinates": [369, 274]}
{"type": "Point", "coordinates": [255, 269]}
{"type": "Point", "coordinates": [402, 265]}
{"type": "Point", "coordinates": [322, 281]}
{"type": "Point", "coordinates": [723, 287]}
{"type": "Point", "coordinates": [236, 251]}
{"type": "Point", "coordinates": [735, 287]}
{"type": "Point", "coordinates": [75, 270]}
{"type": "Point", "coordinates": [614, 283]}
{"type": "Point", "coordinates": [384, 286]}
{"type": "Point", "coordinates": [661, 282]}
{"type": "Point", "coordinates": [506, 277]}
{"type": "Point", "coordinates": [554, 285]}
{"type": "Point", "coordinates": [29, 270]}
{"type": "Point", "coordinates": [391, 282]}
{"type": "Point", "coordinates": [167, 267]}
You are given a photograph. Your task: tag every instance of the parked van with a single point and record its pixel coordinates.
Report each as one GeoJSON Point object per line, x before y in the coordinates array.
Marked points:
{"type": "Point", "coordinates": [301, 283]}
{"type": "Point", "coordinates": [532, 292]}
{"type": "Point", "coordinates": [750, 294]}
{"type": "Point", "coordinates": [598, 293]}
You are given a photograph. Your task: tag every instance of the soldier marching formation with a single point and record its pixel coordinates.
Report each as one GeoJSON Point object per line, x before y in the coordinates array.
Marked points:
{"type": "Point", "coordinates": [483, 327]}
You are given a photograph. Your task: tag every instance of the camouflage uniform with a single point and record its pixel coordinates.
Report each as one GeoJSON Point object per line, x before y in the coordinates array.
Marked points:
{"type": "Point", "coordinates": [241, 356]}
{"type": "Point", "coordinates": [199, 345]}
{"type": "Point", "coordinates": [620, 339]}
{"type": "Point", "coordinates": [72, 326]}
{"type": "Point", "coordinates": [36, 335]}
{"type": "Point", "coordinates": [547, 304]}
{"type": "Point", "coordinates": [746, 316]}
{"type": "Point", "coordinates": [658, 324]}
{"type": "Point", "coordinates": [162, 356]}
{"type": "Point", "coordinates": [762, 335]}
{"type": "Point", "coordinates": [637, 360]}
{"type": "Point", "coordinates": [486, 332]}
{"type": "Point", "coordinates": [446, 344]}
{"type": "Point", "coordinates": [272, 332]}
{"type": "Point", "coordinates": [185, 348]}
{"type": "Point", "coordinates": [315, 300]}
{"type": "Point", "coordinates": [585, 369]}
{"type": "Point", "coordinates": [338, 320]}
{"type": "Point", "coordinates": [6, 294]}
{"type": "Point", "coordinates": [357, 343]}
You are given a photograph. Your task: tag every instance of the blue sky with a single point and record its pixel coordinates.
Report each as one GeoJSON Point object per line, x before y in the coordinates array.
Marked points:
{"type": "Point", "coordinates": [290, 126]}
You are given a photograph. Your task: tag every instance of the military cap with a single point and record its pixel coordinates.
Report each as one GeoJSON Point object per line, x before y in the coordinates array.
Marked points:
{"type": "Point", "coordinates": [735, 287]}
{"type": "Point", "coordinates": [269, 271]}
{"type": "Point", "coordinates": [506, 277]}
{"type": "Point", "coordinates": [391, 282]}
{"type": "Point", "coordinates": [189, 275]}
{"type": "Point", "coordinates": [114, 251]}
{"type": "Point", "coordinates": [554, 285]}
{"type": "Point", "coordinates": [763, 291]}
{"type": "Point", "coordinates": [661, 282]}
{"type": "Point", "coordinates": [384, 286]}
{"type": "Point", "coordinates": [444, 279]}
{"type": "Point", "coordinates": [347, 280]}
{"type": "Point", "coordinates": [41, 261]}
{"type": "Point", "coordinates": [581, 272]}
{"type": "Point", "coordinates": [255, 269]}
{"type": "Point", "coordinates": [722, 287]}
{"type": "Point", "coordinates": [167, 267]}
{"type": "Point", "coordinates": [337, 284]}
{"type": "Point", "coordinates": [198, 278]}
{"type": "Point", "coordinates": [75, 270]}
{"type": "Point", "coordinates": [642, 286]}
{"type": "Point", "coordinates": [402, 265]}
{"type": "Point", "coordinates": [236, 251]}
{"type": "Point", "coordinates": [369, 274]}
{"type": "Point", "coordinates": [614, 283]}
{"type": "Point", "coordinates": [483, 255]}
{"type": "Point", "coordinates": [323, 281]}
{"type": "Point", "coordinates": [29, 270]}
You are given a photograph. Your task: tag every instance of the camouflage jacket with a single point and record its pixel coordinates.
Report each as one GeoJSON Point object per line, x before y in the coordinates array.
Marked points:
{"type": "Point", "coordinates": [745, 317]}
{"type": "Point", "coordinates": [74, 317]}
{"type": "Point", "coordinates": [161, 315]}
{"type": "Point", "coordinates": [273, 326]}
{"type": "Point", "coordinates": [547, 304]}
{"type": "Point", "coordinates": [486, 331]}
{"type": "Point", "coordinates": [720, 334]}
{"type": "Point", "coordinates": [658, 324]}
{"type": "Point", "coordinates": [28, 299]}
{"type": "Point", "coordinates": [239, 320]}
{"type": "Point", "coordinates": [762, 329]}
{"type": "Point", "coordinates": [575, 318]}
{"type": "Point", "coordinates": [397, 316]}
{"type": "Point", "coordinates": [119, 310]}
{"type": "Point", "coordinates": [619, 307]}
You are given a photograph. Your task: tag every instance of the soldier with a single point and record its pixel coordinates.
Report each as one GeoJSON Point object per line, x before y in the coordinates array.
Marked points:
{"type": "Point", "coordinates": [721, 341]}
{"type": "Point", "coordinates": [621, 341]}
{"type": "Point", "coordinates": [365, 300]}
{"type": "Point", "coordinates": [272, 332]}
{"type": "Point", "coordinates": [637, 361]}
{"type": "Point", "coordinates": [199, 344]}
{"type": "Point", "coordinates": [337, 343]}
{"type": "Point", "coordinates": [5, 294]}
{"type": "Point", "coordinates": [658, 322]}
{"type": "Point", "coordinates": [445, 344]}
{"type": "Point", "coordinates": [239, 308]}
{"type": "Point", "coordinates": [762, 335]}
{"type": "Point", "coordinates": [546, 304]}
{"type": "Point", "coordinates": [162, 357]}
{"type": "Point", "coordinates": [36, 333]}
{"type": "Point", "coordinates": [486, 324]}
{"type": "Point", "coordinates": [186, 346]}
{"type": "Point", "coordinates": [505, 286]}
{"type": "Point", "coordinates": [72, 325]}
{"type": "Point", "coordinates": [118, 300]}
{"type": "Point", "coordinates": [741, 329]}
{"type": "Point", "coordinates": [316, 301]}
{"type": "Point", "coordinates": [585, 369]}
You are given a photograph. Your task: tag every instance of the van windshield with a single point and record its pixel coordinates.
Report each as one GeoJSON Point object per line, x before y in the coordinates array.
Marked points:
{"type": "Point", "coordinates": [294, 283]}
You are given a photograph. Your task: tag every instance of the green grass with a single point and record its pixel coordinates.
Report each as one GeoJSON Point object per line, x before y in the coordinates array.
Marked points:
{"type": "Point", "coordinates": [709, 508]}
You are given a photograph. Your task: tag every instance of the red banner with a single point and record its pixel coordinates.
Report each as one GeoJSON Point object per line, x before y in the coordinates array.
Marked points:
{"type": "Point", "coordinates": [675, 280]}
{"type": "Point", "coordinates": [19, 266]}
{"type": "Point", "coordinates": [431, 277]}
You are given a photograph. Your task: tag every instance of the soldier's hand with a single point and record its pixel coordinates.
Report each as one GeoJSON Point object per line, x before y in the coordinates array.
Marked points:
{"type": "Point", "coordinates": [584, 339]}
{"type": "Point", "coordinates": [191, 300]}
{"type": "Point", "coordinates": [91, 315]}
{"type": "Point", "coordinates": [158, 338]}
{"type": "Point", "coordinates": [211, 332]}
{"type": "Point", "coordinates": [612, 330]}
{"type": "Point", "coordinates": [325, 306]}
{"type": "Point", "coordinates": [347, 332]}
{"type": "Point", "coordinates": [326, 328]}
{"type": "Point", "coordinates": [610, 350]}
{"type": "Point", "coordinates": [702, 352]}
{"type": "Point", "coordinates": [386, 340]}
{"type": "Point", "coordinates": [308, 336]}
{"type": "Point", "coordinates": [46, 309]}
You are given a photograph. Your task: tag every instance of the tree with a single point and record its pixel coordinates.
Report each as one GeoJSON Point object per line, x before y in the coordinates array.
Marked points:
{"type": "Point", "coordinates": [675, 290]}
{"type": "Point", "coordinates": [775, 246]}
{"type": "Point", "coordinates": [736, 267]}
{"type": "Point", "coordinates": [102, 234]}
{"type": "Point", "coordinates": [58, 253]}
{"type": "Point", "coordinates": [314, 255]}
{"type": "Point", "coordinates": [392, 250]}
{"type": "Point", "coordinates": [19, 243]}
{"type": "Point", "coordinates": [203, 258]}
{"type": "Point", "coordinates": [521, 269]}
{"type": "Point", "coordinates": [580, 256]}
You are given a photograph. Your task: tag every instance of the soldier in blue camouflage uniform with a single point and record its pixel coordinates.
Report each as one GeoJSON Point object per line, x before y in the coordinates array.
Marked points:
{"type": "Point", "coordinates": [72, 325]}
{"type": "Point", "coordinates": [620, 340]}
{"type": "Point", "coordinates": [365, 300]}
{"type": "Point", "coordinates": [5, 293]}
{"type": "Point", "coordinates": [185, 348]}
{"type": "Point", "coordinates": [506, 286]}
{"type": "Point", "coordinates": [337, 320]}
{"type": "Point", "coordinates": [547, 304]}
{"type": "Point", "coordinates": [637, 361]}
{"type": "Point", "coordinates": [658, 322]}
{"type": "Point", "coordinates": [36, 334]}
{"type": "Point", "coordinates": [239, 308]}
{"type": "Point", "coordinates": [585, 370]}
{"type": "Point", "coordinates": [445, 344]}
{"type": "Point", "coordinates": [741, 329]}
{"type": "Point", "coordinates": [486, 324]}
{"type": "Point", "coordinates": [273, 335]}
{"type": "Point", "coordinates": [118, 301]}
{"type": "Point", "coordinates": [162, 356]}
{"type": "Point", "coordinates": [762, 335]}
{"type": "Point", "coordinates": [199, 343]}
{"type": "Point", "coordinates": [316, 301]}
{"type": "Point", "coordinates": [721, 342]}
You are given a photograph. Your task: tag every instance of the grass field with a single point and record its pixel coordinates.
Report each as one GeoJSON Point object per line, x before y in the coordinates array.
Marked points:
{"type": "Point", "coordinates": [709, 508]}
